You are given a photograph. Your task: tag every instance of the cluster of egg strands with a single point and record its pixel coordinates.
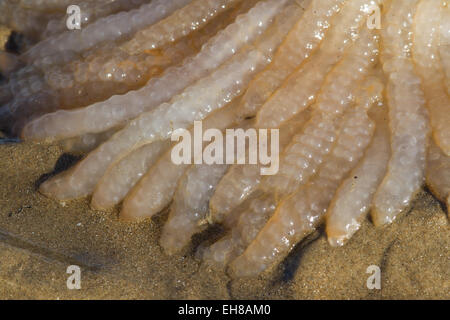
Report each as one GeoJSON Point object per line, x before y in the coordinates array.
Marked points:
{"type": "Point", "coordinates": [314, 72]}
{"type": "Point", "coordinates": [224, 84]}
{"type": "Point", "coordinates": [110, 28]}
{"type": "Point", "coordinates": [28, 90]}
{"type": "Point", "coordinates": [104, 115]}
{"type": "Point", "coordinates": [103, 71]}
{"type": "Point", "coordinates": [309, 150]}
{"type": "Point", "coordinates": [308, 79]}
{"type": "Point", "coordinates": [38, 20]}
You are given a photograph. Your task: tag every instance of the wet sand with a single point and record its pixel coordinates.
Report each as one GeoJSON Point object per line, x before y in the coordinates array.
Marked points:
{"type": "Point", "coordinates": [40, 238]}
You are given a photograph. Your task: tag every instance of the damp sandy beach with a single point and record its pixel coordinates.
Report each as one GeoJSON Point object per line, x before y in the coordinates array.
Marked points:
{"type": "Point", "coordinates": [40, 238]}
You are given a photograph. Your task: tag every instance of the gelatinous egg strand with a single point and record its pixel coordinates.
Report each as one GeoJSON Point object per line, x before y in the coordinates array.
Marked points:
{"type": "Point", "coordinates": [408, 118]}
